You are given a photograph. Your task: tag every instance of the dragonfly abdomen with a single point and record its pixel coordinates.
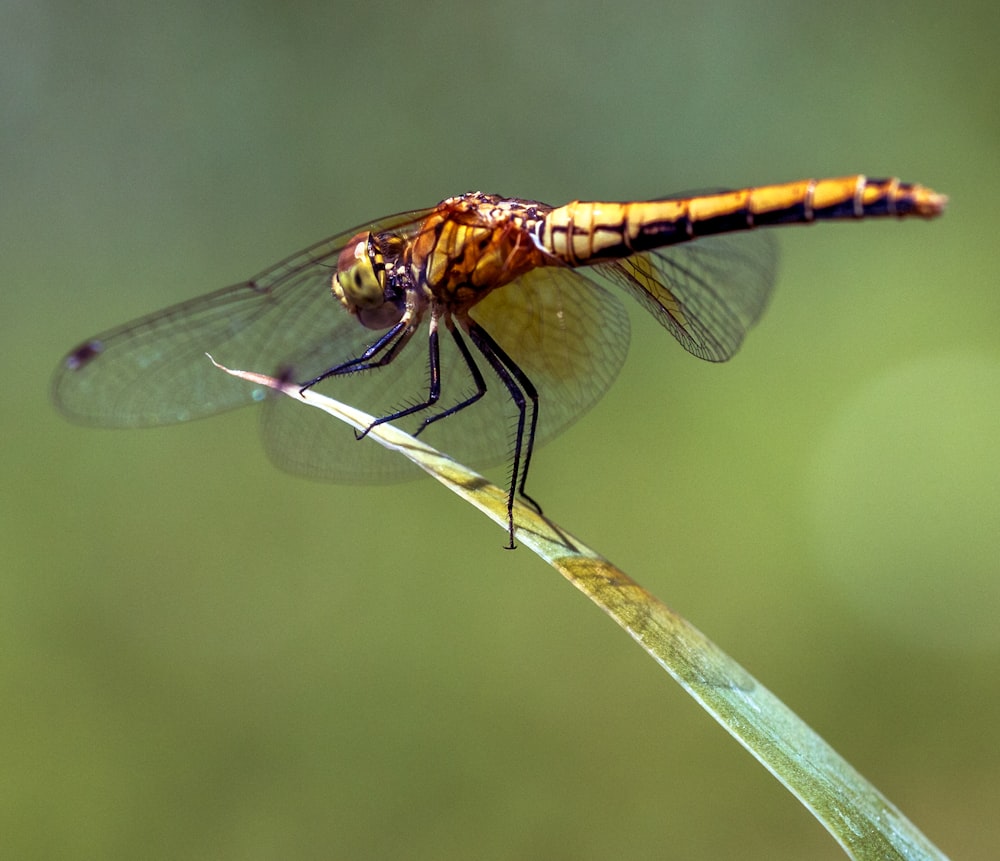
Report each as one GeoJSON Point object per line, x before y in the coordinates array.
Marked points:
{"type": "Point", "coordinates": [583, 233]}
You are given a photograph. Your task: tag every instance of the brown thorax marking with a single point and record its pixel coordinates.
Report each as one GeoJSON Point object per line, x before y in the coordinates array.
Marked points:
{"type": "Point", "coordinates": [472, 244]}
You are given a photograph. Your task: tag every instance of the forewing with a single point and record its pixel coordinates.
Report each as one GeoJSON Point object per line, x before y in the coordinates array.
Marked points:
{"type": "Point", "coordinates": [567, 333]}
{"type": "Point", "coordinates": [153, 370]}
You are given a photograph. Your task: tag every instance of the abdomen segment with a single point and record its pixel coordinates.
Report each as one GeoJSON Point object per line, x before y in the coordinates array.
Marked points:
{"type": "Point", "coordinates": [584, 233]}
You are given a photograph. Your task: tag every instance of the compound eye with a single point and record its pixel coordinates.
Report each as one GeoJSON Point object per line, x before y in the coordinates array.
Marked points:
{"type": "Point", "coordinates": [359, 283]}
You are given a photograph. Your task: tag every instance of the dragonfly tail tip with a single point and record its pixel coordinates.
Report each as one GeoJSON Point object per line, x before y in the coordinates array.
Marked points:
{"type": "Point", "coordinates": [931, 203]}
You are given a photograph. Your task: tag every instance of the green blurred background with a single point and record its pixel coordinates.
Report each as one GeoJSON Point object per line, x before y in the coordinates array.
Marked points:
{"type": "Point", "coordinates": [202, 657]}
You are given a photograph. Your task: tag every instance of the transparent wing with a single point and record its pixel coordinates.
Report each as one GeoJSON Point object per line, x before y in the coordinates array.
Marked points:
{"type": "Point", "coordinates": [708, 292]}
{"type": "Point", "coordinates": [153, 370]}
{"type": "Point", "coordinates": [564, 330]}
{"type": "Point", "coordinates": [567, 333]}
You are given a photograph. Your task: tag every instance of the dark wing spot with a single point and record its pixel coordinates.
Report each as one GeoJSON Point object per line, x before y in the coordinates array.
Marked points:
{"type": "Point", "coordinates": [284, 374]}
{"type": "Point", "coordinates": [84, 355]}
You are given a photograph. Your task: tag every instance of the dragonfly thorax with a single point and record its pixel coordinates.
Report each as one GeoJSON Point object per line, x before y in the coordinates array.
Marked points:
{"type": "Point", "coordinates": [472, 244]}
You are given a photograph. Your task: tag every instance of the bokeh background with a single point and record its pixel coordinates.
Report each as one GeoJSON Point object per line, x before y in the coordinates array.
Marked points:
{"type": "Point", "coordinates": [202, 657]}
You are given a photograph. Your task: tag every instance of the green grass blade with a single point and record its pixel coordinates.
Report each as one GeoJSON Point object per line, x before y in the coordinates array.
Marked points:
{"type": "Point", "coordinates": [865, 823]}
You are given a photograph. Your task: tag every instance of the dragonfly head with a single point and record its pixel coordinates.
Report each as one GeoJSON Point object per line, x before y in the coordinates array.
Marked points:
{"type": "Point", "coordinates": [361, 285]}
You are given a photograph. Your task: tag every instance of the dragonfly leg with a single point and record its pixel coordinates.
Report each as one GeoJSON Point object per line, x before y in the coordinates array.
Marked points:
{"type": "Point", "coordinates": [390, 344]}
{"type": "Point", "coordinates": [477, 378]}
{"type": "Point", "coordinates": [434, 390]}
{"type": "Point", "coordinates": [522, 391]}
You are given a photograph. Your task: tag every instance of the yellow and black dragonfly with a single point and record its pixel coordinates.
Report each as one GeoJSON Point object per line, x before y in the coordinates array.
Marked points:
{"type": "Point", "coordinates": [520, 333]}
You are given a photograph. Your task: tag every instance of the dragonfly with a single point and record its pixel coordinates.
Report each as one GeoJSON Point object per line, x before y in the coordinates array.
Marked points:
{"type": "Point", "coordinates": [517, 302]}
